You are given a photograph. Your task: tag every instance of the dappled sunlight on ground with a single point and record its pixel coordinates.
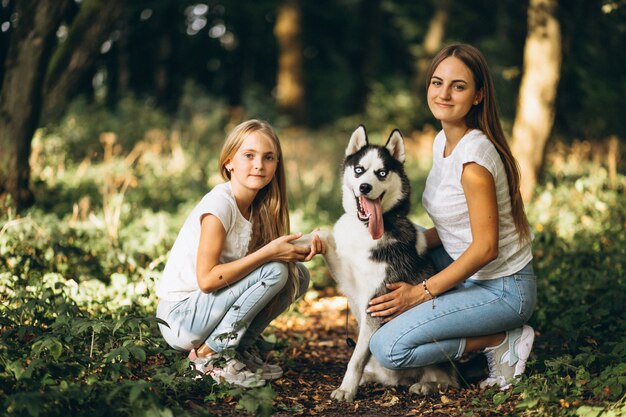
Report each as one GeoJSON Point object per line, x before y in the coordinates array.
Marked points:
{"type": "Point", "coordinates": [314, 359]}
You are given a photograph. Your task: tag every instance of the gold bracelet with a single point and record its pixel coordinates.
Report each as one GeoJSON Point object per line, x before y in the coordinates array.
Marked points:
{"type": "Point", "coordinates": [432, 297]}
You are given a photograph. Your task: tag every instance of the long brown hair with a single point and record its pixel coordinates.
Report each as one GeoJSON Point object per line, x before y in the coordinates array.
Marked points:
{"type": "Point", "coordinates": [485, 116]}
{"type": "Point", "coordinates": [270, 209]}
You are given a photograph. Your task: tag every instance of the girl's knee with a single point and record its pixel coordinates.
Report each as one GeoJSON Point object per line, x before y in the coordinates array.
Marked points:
{"type": "Point", "coordinates": [277, 272]}
{"type": "Point", "coordinates": [380, 349]}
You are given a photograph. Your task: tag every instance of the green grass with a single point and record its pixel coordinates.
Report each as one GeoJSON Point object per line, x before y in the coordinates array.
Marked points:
{"type": "Point", "coordinates": [77, 272]}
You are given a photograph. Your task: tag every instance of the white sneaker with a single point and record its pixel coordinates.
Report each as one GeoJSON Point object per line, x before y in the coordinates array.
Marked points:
{"type": "Point", "coordinates": [225, 369]}
{"type": "Point", "coordinates": [508, 360]}
{"type": "Point", "coordinates": [254, 363]}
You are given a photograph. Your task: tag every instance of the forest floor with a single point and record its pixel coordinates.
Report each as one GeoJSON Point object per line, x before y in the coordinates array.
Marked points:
{"type": "Point", "coordinates": [315, 360]}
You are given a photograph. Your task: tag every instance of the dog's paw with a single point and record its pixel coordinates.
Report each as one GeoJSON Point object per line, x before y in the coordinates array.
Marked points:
{"type": "Point", "coordinates": [425, 388]}
{"type": "Point", "coordinates": [305, 240]}
{"type": "Point", "coordinates": [343, 395]}
{"type": "Point", "coordinates": [325, 235]}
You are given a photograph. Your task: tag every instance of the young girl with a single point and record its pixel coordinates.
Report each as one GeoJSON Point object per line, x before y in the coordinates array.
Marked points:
{"type": "Point", "coordinates": [232, 268]}
{"type": "Point", "coordinates": [485, 289]}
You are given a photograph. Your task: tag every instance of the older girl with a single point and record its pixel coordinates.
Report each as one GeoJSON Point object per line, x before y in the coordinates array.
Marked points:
{"type": "Point", "coordinates": [484, 292]}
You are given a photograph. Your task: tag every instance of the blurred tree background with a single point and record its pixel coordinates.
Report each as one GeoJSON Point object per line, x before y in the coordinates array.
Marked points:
{"type": "Point", "coordinates": [112, 114]}
{"type": "Point", "coordinates": [306, 64]}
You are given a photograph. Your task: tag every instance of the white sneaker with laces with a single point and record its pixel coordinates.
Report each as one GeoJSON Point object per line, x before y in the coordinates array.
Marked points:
{"type": "Point", "coordinates": [508, 360]}
{"type": "Point", "coordinates": [225, 369]}
{"type": "Point", "coordinates": [254, 363]}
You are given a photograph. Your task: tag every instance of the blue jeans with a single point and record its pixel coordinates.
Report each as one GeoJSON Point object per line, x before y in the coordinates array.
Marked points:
{"type": "Point", "coordinates": [425, 335]}
{"type": "Point", "coordinates": [232, 317]}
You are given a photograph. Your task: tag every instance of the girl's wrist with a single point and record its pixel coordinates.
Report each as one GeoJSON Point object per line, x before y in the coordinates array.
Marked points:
{"type": "Point", "coordinates": [265, 253]}
{"type": "Point", "coordinates": [420, 296]}
{"type": "Point", "coordinates": [427, 294]}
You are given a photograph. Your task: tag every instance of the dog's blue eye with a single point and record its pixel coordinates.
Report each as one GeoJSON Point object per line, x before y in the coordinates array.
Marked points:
{"type": "Point", "coordinates": [382, 173]}
{"type": "Point", "coordinates": [358, 170]}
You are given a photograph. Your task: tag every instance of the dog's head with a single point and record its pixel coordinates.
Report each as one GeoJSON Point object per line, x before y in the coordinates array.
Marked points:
{"type": "Point", "coordinates": [374, 181]}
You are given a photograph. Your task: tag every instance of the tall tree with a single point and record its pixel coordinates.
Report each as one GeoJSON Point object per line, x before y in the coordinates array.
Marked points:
{"type": "Point", "coordinates": [433, 40]}
{"type": "Point", "coordinates": [30, 48]}
{"type": "Point", "coordinates": [369, 51]}
{"type": "Point", "coordinates": [75, 58]}
{"type": "Point", "coordinates": [535, 109]}
{"type": "Point", "coordinates": [290, 84]}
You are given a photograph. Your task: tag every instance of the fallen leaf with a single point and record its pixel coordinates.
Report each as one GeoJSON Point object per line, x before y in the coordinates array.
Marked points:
{"type": "Point", "coordinates": [391, 402]}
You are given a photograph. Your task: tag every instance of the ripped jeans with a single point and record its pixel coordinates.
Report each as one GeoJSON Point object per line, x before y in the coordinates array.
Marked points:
{"type": "Point", "coordinates": [232, 317]}
{"type": "Point", "coordinates": [425, 335]}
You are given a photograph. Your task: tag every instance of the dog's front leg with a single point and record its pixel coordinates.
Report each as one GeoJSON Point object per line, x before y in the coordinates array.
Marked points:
{"type": "Point", "coordinates": [336, 267]}
{"type": "Point", "coordinates": [360, 356]}
{"type": "Point", "coordinates": [331, 257]}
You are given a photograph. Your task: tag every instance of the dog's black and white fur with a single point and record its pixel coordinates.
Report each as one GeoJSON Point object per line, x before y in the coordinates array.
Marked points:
{"type": "Point", "coordinates": [372, 244]}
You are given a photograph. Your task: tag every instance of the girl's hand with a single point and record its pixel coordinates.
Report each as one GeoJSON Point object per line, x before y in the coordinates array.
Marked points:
{"type": "Point", "coordinates": [281, 250]}
{"type": "Point", "coordinates": [400, 298]}
{"type": "Point", "coordinates": [317, 246]}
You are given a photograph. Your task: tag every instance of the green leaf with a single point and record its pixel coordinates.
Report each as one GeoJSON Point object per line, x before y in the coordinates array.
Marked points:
{"type": "Point", "coordinates": [528, 403]}
{"type": "Point", "coordinates": [501, 397]}
{"type": "Point", "coordinates": [166, 412]}
{"type": "Point", "coordinates": [120, 352]}
{"type": "Point", "coordinates": [136, 390]}
{"type": "Point", "coordinates": [587, 411]}
{"type": "Point", "coordinates": [16, 368]}
{"type": "Point", "coordinates": [52, 344]}
{"type": "Point", "coordinates": [120, 322]}
{"type": "Point", "coordinates": [33, 408]}
{"type": "Point", "coordinates": [138, 353]}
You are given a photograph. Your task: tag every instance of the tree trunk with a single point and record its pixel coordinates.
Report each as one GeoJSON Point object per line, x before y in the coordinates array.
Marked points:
{"type": "Point", "coordinates": [432, 41]}
{"type": "Point", "coordinates": [167, 86]}
{"type": "Point", "coordinates": [535, 108]}
{"type": "Point", "coordinates": [29, 52]}
{"type": "Point", "coordinates": [369, 55]}
{"type": "Point", "coordinates": [290, 85]}
{"type": "Point", "coordinates": [78, 54]}
{"type": "Point", "coordinates": [238, 61]}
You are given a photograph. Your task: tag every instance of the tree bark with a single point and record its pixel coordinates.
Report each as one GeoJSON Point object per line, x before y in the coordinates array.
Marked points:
{"type": "Point", "coordinates": [29, 52]}
{"type": "Point", "coordinates": [369, 55]}
{"type": "Point", "coordinates": [167, 84]}
{"type": "Point", "coordinates": [432, 41]}
{"type": "Point", "coordinates": [535, 108]}
{"type": "Point", "coordinates": [290, 84]}
{"type": "Point", "coordinates": [73, 60]}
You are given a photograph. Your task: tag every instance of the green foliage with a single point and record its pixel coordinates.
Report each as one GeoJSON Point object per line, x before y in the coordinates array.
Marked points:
{"type": "Point", "coordinates": [580, 248]}
{"type": "Point", "coordinates": [77, 276]}
{"type": "Point", "coordinates": [88, 348]}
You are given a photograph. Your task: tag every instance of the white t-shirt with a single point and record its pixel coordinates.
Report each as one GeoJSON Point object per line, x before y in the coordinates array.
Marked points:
{"type": "Point", "coordinates": [445, 203]}
{"type": "Point", "coordinates": [179, 277]}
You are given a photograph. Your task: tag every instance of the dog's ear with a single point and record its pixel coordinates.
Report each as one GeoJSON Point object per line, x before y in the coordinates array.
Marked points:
{"type": "Point", "coordinates": [357, 141]}
{"type": "Point", "coordinates": [395, 145]}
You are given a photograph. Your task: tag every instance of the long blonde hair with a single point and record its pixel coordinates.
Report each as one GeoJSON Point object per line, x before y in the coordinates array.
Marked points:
{"type": "Point", "coordinates": [485, 116]}
{"type": "Point", "coordinates": [270, 209]}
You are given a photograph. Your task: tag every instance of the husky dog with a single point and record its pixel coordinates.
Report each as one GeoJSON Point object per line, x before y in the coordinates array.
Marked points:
{"type": "Point", "coordinates": [373, 244]}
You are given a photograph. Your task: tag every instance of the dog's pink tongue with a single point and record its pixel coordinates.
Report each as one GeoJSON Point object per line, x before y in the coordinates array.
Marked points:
{"type": "Point", "coordinates": [376, 225]}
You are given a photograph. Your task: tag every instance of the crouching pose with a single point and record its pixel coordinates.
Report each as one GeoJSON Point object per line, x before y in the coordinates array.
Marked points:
{"type": "Point", "coordinates": [233, 267]}
{"type": "Point", "coordinates": [373, 244]}
{"type": "Point", "coordinates": [484, 291]}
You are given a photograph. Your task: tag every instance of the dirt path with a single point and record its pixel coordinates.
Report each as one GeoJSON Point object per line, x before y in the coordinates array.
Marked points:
{"type": "Point", "coordinates": [315, 359]}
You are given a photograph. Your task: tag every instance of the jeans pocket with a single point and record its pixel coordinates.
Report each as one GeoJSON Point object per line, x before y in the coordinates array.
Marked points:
{"type": "Point", "coordinates": [526, 285]}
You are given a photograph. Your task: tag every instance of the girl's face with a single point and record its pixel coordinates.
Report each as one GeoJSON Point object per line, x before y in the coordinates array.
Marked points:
{"type": "Point", "coordinates": [253, 165]}
{"type": "Point", "coordinates": [452, 91]}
